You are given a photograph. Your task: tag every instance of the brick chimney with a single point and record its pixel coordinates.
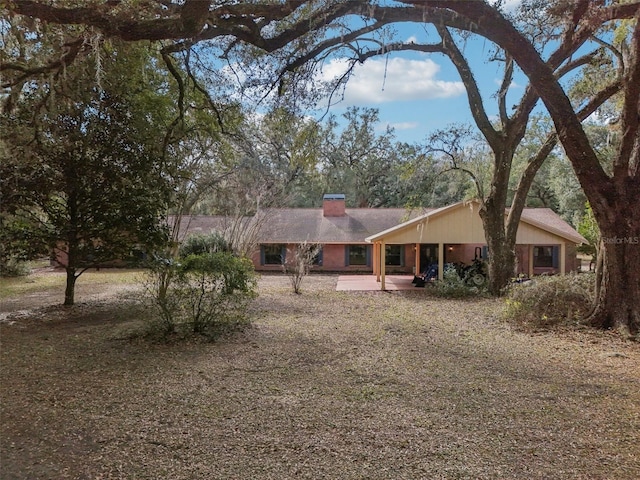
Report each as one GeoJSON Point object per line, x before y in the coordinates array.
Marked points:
{"type": "Point", "coordinates": [333, 205]}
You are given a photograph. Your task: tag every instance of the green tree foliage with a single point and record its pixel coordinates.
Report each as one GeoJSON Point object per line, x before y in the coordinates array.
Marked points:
{"type": "Point", "coordinates": [19, 242]}
{"type": "Point", "coordinates": [356, 161]}
{"type": "Point", "coordinates": [588, 228]}
{"type": "Point", "coordinates": [374, 170]}
{"type": "Point", "coordinates": [278, 156]}
{"type": "Point", "coordinates": [463, 155]}
{"type": "Point", "coordinates": [555, 184]}
{"type": "Point", "coordinates": [198, 142]}
{"type": "Point", "coordinates": [201, 244]}
{"type": "Point", "coordinates": [540, 192]}
{"type": "Point", "coordinates": [453, 285]}
{"type": "Point", "coordinates": [420, 179]}
{"type": "Point", "coordinates": [215, 290]}
{"type": "Point", "coordinates": [284, 159]}
{"type": "Point", "coordinates": [271, 160]}
{"type": "Point", "coordinates": [83, 165]}
{"type": "Point", "coordinates": [568, 196]}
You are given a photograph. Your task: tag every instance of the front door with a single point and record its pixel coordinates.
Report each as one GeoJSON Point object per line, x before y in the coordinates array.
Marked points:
{"type": "Point", "coordinates": [428, 255]}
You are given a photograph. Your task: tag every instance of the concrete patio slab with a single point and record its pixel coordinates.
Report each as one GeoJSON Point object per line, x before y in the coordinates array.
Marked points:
{"type": "Point", "coordinates": [364, 283]}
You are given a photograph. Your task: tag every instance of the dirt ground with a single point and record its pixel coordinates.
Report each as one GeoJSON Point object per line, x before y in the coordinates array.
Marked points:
{"type": "Point", "coordinates": [333, 385]}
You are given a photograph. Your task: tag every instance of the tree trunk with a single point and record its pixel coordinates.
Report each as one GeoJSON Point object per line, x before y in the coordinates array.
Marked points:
{"type": "Point", "coordinates": [501, 245]}
{"type": "Point", "coordinates": [69, 292]}
{"type": "Point", "coordinates": [613, 196]}
{"type": "Point", "coordinates": [617, 300]}
{"type": "Point", "coordinates": [502, 255]}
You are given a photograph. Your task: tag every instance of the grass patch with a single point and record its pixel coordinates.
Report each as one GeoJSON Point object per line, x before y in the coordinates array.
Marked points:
{"type": "Point", "coordinates": [326, 384]}
{"type": "Point", "coordinates": [47, 280]}
{"type": "Point", "coordinates": [16, 286]}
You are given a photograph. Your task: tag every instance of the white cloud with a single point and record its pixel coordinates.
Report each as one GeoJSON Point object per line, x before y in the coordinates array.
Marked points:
{"type": "Point", "coordinates": [513, 84]}
{"type": "Point", "coordinates": [398, 79]}
{"type": "Point", "coordinates": [404, 125]}
{"type": "Point", "coordinates": [508, 5]}
{"type": "Point", "coordinates": [511, 5]}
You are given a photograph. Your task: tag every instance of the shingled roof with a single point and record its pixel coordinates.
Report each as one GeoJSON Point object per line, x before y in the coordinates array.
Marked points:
{"type": "Point", "coordinates": [296, 225]}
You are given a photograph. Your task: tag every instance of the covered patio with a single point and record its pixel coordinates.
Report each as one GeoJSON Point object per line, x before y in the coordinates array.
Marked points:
{"type": "Point", "coordinates": [365, 283]}
{"type": "Point", "coordinates": [456, 234]}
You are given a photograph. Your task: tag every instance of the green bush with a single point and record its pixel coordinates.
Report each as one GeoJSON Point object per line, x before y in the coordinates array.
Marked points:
{"type": "Point", "coordinates": [14, 267]}
{"type": "Point", "coordinates": [453, 286]}
{"type": "Point", "coordinates": [199, 244]}
{"type": "Point", "coordinates": [549, 301]}
{"type": "Point", "coordinates": [206, 294]}
{"type": "Point", "coordinates": [158, 295]}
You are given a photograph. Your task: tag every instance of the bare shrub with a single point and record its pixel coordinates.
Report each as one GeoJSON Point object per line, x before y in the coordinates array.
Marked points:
{"type": "Point", "coordinates": [549, 301]}
{"type": "Point", "coordinates": [298, 262]}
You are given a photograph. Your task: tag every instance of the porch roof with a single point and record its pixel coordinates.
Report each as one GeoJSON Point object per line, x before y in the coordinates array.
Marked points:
{"type": "Point", "coordinates": [461, 223]}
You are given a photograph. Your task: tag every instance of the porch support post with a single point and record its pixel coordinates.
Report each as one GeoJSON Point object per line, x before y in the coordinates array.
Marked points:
{"type": "Point", "coordinates": [441, 261]}
{"type": "Point", "coordinates": [376, 260]}
{"type": "Point", "coordinates": [382, 265]}
{"type": "Point", "coordinates": [417, 272]}
{"type": "Point", "coordinates": [530, 261]}
{"type": "Point", "coordinates": [563, 258]}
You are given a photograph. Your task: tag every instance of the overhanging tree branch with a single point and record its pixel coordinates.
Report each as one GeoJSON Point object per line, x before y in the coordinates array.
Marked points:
{"type": "Point", "coordinates": [535, 162]}
{"type": "Point", "coordinates": [507, 78]}
{"type": "Point", "coordinates": [473, 92]}
{"type": "Point", "coordinates": [495, 27]}
{"type": "Point", "coordinates": [629, 153]}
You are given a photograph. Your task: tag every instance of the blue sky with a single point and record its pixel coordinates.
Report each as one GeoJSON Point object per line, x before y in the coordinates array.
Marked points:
{"type": "Point", "coordinates": [418, 93]}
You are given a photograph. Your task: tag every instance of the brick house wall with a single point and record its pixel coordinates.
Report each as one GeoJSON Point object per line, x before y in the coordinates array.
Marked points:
{"type": "Point", "coordinates": [334, 260]}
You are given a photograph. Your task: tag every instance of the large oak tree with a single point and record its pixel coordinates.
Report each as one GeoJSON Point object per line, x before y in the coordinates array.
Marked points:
{"type": "Point", "coordinates": [297, 32]}
{"type": "Point", "coordinates": [612, 194]}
